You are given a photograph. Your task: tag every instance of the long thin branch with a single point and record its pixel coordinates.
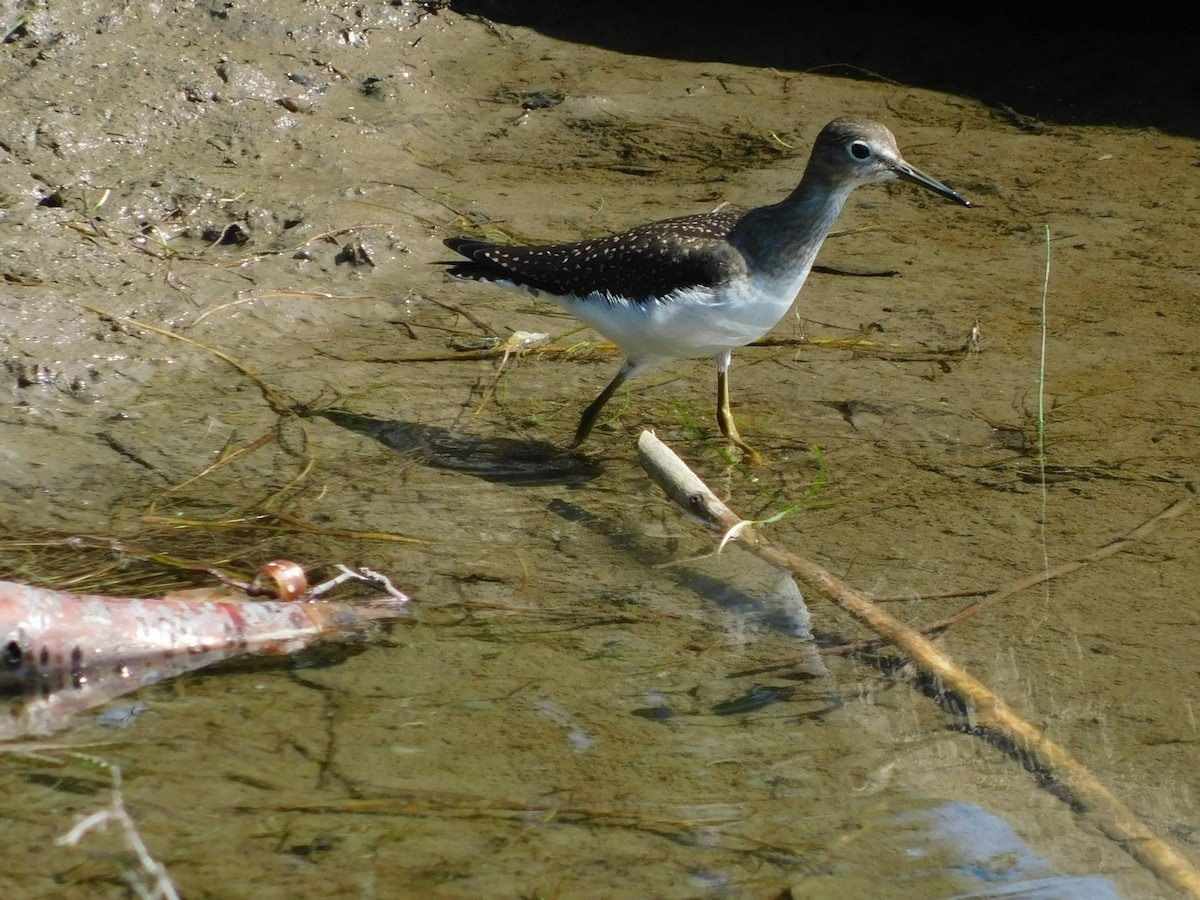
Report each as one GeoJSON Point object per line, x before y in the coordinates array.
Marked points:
{"type": "Point", "coordinates": [1002, 593]}
{"type": "Point", "coordinates": [1108, 813]}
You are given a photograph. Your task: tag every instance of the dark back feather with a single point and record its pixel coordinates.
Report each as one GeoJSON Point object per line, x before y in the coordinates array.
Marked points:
{"type": "Point", "coordinates": [640, 264]}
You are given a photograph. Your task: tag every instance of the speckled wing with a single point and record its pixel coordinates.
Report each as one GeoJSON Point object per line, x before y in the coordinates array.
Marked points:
{"type": "Point", "coordinates": [640, 264]}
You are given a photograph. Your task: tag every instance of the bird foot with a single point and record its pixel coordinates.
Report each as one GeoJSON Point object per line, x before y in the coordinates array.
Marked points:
{"type": "Point", "coordinates": [750, 456]}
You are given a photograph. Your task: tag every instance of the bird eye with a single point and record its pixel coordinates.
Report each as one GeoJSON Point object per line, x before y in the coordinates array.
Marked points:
{"type": "Point", "coordinates": [860, 150]}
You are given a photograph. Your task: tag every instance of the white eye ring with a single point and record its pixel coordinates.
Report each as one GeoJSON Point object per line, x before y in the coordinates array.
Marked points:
{"type": "Point", "coordinates": [860, 150]}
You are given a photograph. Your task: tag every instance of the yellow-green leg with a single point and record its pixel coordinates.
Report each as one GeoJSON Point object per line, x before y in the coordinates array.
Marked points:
{"type": "Point", "coordinates": [725, 415]}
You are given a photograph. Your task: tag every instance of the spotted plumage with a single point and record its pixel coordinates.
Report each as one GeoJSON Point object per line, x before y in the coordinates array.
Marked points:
{"type": "Point", "coordinates": [641, 264]}
{"type": "Point", "coordinates": [699, 285]}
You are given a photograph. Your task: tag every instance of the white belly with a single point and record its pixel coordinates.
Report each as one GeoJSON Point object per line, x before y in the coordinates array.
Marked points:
{"type": "Point", "coordinates": [688, 324]}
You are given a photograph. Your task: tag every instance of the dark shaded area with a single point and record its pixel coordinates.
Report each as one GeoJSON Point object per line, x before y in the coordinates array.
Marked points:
{"type": "Point", "coordinates": [500, 460]}
{"type": "Point", "coordinates": [758, 697]}
{"type": "Point", "coordinates": [1053, 65]}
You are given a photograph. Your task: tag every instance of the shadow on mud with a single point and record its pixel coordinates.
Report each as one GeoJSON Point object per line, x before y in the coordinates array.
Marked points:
{"type": "Point", "coordinates": [500, 460]}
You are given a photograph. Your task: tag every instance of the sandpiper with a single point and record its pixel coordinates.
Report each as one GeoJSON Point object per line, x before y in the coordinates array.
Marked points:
{"type": "Point", "coordinates": [700, 285]}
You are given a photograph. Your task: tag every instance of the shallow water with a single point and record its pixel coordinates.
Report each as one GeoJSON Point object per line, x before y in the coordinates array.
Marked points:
{"type": "Point", "coordinates": [585, 701]}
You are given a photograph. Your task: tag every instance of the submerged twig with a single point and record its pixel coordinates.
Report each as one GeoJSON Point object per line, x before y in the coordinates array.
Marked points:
{"type": "Point", "coordinates": [278, 522]}
{"type": "Point", "coordinates": [227, 458]}
{"type": "Point", "coordinates": [466, 314]}
{"type": "Point", "coordinates": [1108, 812]}
{"type": "Point", "coordinates": [428, 802]}
{"type": "Point", "coordinates": [240, 301]}
{"type": "Point", "coordinates": [864, 346]}
{"type": "Point", "coordinates": [277, 402]}
{"type": "Point", "coordinates": [995, 595]}
{"type": "Point", "coordinates": [160, 884]}
{"type": "Point", "coordinates": [516, 344]}
{"type": "Point", "coordinates": [1110, 549]}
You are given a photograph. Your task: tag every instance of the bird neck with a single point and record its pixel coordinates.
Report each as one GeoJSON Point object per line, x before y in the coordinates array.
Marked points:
{"type": "Point", "coordinates": [782, 240]}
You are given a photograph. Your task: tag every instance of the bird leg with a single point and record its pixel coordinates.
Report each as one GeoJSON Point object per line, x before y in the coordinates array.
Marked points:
{"type": "Point", "coordinates": [725, 418]}
{"type": "Point", "coordinates": [588, 419]}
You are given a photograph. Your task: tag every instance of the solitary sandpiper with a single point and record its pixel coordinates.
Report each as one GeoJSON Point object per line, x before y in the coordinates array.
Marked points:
{"type": "Point", "coordinates": [700, 285]}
